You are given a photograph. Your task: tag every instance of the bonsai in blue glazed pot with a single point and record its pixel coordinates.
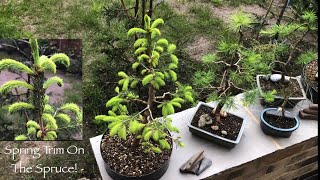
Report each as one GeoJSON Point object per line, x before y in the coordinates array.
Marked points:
{"type": "Point", "coordinates": [275, 124]}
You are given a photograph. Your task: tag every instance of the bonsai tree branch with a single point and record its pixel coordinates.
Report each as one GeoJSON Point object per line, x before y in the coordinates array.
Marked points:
{"type": "Point", "coordinates": [18, 49]}
{"type": "Point", "coordinates": [240, 59]}
{"type": "Point", "coordinates": [295, 47]}
{"type": "Point", "coordinates": [139, 100]}
{"type": "Point", "coordinates": [223, 78]}
{"type": "Point", "coordinates": [273, 62]}
{"type": "Point", "coordinates": [233, 85]}
{"type": "Point", "coordinates": [163, 96]}
{"type": "Point", "coordinates": [284, 7]}
{"type": "Point", "coordinates": [222, 62]}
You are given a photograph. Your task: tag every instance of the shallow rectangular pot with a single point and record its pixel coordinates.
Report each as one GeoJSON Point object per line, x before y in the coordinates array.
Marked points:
{"type": "Point", "coordinates": [292, 101]}
{"type": "Point", "coordinates": [213, 137]}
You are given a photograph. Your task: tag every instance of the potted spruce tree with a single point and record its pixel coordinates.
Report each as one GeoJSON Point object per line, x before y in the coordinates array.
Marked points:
{"type": "Point", "coordinates": [284, 50]}
{"type": "Point", "coordinates": [138, 145]}
{"type": "Point", "coordinates": [235, 67]}
{"type": "Point", "coordinates": [43, 121]}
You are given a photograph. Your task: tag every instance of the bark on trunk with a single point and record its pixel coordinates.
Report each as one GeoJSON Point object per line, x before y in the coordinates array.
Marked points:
{"type": "Point", "coordinates": [150, 8]}
{"type": "Point", "coordinates": [143, 12]}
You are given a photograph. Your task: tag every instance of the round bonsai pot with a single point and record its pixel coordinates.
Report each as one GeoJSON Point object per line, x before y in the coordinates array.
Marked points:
{"type": "Point", "coordinates": [269, 129]}
{"type": "Point", "coordinates": [155, 175]}
{"type": "Point", "coordinates": [310, 90]}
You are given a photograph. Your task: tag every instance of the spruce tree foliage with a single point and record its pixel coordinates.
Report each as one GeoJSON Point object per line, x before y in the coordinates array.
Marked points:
{"type": "Point", "coordinates": [155, 66]}
{"type": "Point", "coordinates": [44, 119]}
{"type": "Point", "coordinates": [232, 69]}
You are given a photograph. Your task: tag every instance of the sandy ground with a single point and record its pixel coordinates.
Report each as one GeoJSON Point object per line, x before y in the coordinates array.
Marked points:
{"type": "Point", "coordinates": [55, 92]}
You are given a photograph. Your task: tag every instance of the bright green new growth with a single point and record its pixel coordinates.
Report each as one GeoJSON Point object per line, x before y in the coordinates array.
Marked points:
{"type": "Point", "coordinates": [14, 65]}
{"type": "Point", "coordinates": [155, 65]}
{"type": "Point", "coordinates": [8, 86]}
{"type": "Point", "coordinates": [44, 125]}
{"type": "Point", "coordinates": [20, 106]}
{"type": "Point", "coordinates": [53, 80]}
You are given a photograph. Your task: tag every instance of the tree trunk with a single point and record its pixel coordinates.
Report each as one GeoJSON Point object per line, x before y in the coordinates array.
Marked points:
{"type": "Point", "coordinates": [136, 9]}
{"type": "Point", "coordinates": [143, 12]}
{"type": "Point", "coordinates": [264, 18]}
{"type": "Point", "coordinates": [37, 97]}
{"type": "Point", "coordinates": [125, 8]}
{"type": "Point", "coordinates": [217, 115]}
{"type": "Point", "coordinates": [150, 8]}
{"type": "Point", "coordinates": [284, 7]}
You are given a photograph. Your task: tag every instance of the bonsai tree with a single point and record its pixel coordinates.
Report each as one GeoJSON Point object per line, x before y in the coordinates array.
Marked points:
{"type": "Point", "coordinates": [230, 70]}
{"type": "Point", "coordinates": [279, 54]}
{"type": "Point", "coordinates": [155, 65]}
{"type": "Point", "coordinates": [42, 118]}
{"type": "Point", "coordinates": [292, 35]}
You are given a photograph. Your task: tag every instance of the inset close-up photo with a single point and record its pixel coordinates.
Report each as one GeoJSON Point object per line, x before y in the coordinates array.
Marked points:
{"type": "Point", "coordinates": [40, 89]}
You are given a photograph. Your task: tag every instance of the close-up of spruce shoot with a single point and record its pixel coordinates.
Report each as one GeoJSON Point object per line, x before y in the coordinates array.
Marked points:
{"type": "Point", "coordinates": [43, 120]}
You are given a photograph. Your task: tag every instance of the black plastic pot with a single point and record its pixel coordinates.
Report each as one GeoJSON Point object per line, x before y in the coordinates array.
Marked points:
{"type": "Point", "coordinates": [311, 92]}
{"type": "Point", "coordinates": [292, 101]}
{"type": "Point", "coordinates": [213, 137]}
{"type": "Point", "coordinates": [152, 176]}
{"type": "Point", "coordinates": [268, 129]}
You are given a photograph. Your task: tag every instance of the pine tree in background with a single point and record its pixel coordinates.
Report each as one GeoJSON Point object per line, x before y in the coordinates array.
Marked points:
{"type": "Point", "coordinates": [156, 64]}
{"type": "Point", "coordinates": [44, 119]}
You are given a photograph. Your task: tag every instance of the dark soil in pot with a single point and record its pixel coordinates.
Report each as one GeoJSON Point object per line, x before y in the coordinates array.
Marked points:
{"type": "Point", "coordinates": [310, 72]}
{"type": "Point", "coordinates": [232, 124]}
{"type": "Point", "coordinates": [279, 122]}
{"type": "Point", "coordinates": [310, 82]}
{"type": "Point", "coordinates": [268, 85]}
{"type": "Point", "coordinates": [130, 161]}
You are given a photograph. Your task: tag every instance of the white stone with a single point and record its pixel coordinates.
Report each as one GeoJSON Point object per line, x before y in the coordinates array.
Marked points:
{"type": "Point", "coordinates": [317, 75]}
{"type": "Point", "coordinates": [277, 77]}
{"type": "Point", "coordinates": [215, 128]}
{"type": "Point", "coordinates": [224, 132]}
{"type": "Point", "coordinates": [223, 114]}
{"type": "Point", "coordinates": [204, 119]}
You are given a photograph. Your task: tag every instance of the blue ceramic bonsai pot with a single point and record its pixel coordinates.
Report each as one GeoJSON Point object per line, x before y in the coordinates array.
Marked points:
{"type": "Point", "coordinates": [269, 129]}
